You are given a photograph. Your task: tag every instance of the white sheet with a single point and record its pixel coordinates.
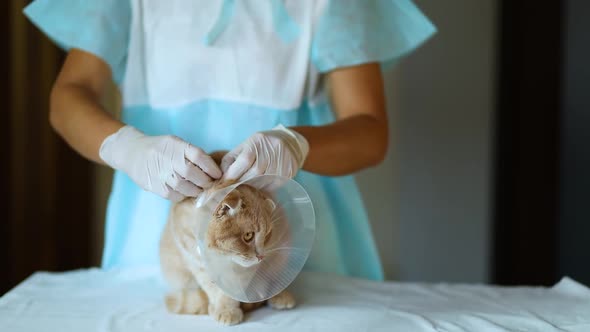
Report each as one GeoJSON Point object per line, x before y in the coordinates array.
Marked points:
{"type": "Point", "coordinates": [131, 301]}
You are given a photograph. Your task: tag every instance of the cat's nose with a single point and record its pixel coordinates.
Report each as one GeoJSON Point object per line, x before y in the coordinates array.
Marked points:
{"type": "Point", "coordinates": [260, 257]}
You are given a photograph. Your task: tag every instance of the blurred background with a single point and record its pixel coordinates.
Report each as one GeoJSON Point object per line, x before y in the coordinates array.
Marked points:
{"type": "Point", "coordinates": [486, 180]}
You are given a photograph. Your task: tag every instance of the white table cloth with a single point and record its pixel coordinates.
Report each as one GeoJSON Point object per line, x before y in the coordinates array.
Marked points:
{"type": "Point", "coordinates": [132, 301]}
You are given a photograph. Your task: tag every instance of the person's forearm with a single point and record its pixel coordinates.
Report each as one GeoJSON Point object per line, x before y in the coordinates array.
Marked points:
{"type": "Point", "coordinates": [77, 116]}
{"type": "Point", "coordinates": [345, 146]}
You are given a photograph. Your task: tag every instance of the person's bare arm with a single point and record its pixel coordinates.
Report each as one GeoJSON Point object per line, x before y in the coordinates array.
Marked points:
{"type": "Point", "coordinates": [359, 137]}
{"type": "Point", "coordinates": [76, 112]}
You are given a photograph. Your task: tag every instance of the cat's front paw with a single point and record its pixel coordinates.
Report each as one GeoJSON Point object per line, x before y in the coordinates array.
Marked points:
{"type": "Point", "coordinates": [283, 300]}
{"type": "Point", "coordinates": [188, 301]}
{"type": "Point", "coordinates": [226, 315]}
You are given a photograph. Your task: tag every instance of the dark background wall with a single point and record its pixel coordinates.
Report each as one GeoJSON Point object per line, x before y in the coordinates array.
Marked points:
{"type": "Point", "coordinates": [45, 205]}
{"type": "Point", "coordinates": [527, 148]}
{"type": "Point", "coordinates": [574, 225]}
{"type": "Point", "coordinates": [542, 164]}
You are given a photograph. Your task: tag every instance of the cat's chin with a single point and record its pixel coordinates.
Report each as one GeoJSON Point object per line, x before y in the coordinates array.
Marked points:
{"type": "Point", "coordinates": [244, 262]}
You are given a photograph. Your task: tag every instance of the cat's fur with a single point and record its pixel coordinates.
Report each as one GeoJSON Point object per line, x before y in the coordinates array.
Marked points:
{"type": "Point", "coordinates": [245, 209]}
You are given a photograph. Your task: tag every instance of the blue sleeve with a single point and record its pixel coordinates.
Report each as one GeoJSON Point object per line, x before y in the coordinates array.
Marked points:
{"type": "Point", "coordinates": [352, 32]}
{"type": "Point", "coordinates": [100, 27]}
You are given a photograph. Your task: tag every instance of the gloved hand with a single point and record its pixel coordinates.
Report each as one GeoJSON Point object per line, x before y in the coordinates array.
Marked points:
{"type": "Point", "coordinates": [279, 151]}
{"type": "Point", "coordinates": [164, 165]}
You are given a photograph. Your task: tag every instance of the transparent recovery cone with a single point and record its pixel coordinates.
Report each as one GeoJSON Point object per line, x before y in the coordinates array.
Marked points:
{"type": "Point", "coordinates": [285, 251]}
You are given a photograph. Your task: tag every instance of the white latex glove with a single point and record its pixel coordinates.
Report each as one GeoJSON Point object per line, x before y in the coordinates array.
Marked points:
{"type": "Point", "coordinates": [164, 165]}
{"type": "Point", "coordinates": [279, 151]}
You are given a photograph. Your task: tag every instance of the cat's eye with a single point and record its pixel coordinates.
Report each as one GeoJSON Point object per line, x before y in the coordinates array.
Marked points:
{"type": "Point", "coordinates": [248, 236]}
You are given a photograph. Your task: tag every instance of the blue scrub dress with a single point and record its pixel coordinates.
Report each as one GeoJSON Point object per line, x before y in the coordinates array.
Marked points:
{"type": "Point", "coordinates": [346, 33]}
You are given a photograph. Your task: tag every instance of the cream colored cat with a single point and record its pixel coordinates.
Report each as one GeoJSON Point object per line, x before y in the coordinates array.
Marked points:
{"type": "Point", "coordinates": [239, 228]}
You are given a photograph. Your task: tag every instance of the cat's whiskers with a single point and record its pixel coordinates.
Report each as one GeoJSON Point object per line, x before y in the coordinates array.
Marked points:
{"type": "Point", "coordinates": [280, 248]}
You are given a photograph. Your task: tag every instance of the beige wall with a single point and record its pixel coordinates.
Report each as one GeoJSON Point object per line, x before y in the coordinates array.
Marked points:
{"type": "Point", "coordinates": [429, 202]}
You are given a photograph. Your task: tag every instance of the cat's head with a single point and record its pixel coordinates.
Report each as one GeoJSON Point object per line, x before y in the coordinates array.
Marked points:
{"type": "Point", "coordinates": [242, 225]}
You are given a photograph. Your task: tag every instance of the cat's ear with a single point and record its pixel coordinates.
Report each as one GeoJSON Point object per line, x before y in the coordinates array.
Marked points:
{"type": "Point", "coordinates": [228, 206]}
{"type": "Point", "coordinates": [271, 204]}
